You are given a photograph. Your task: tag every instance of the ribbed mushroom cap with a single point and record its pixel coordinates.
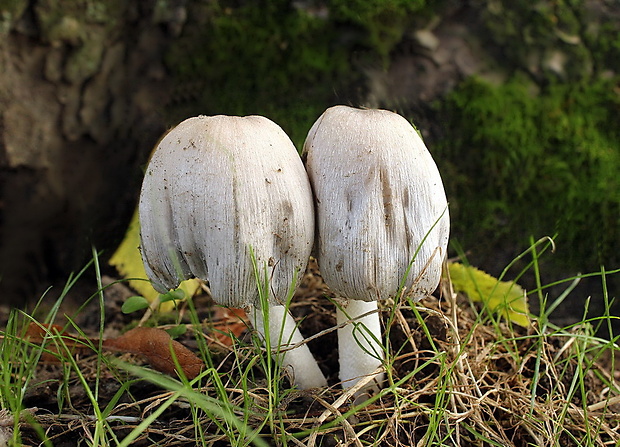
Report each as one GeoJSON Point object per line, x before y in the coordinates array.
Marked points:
{"type": "Point", "coordinates": [216, 186]}
{"type": "Point", "coordinates": [379, 200]}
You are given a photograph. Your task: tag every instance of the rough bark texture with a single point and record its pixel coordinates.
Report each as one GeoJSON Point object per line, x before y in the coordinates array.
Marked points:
{"type": "Point", "coordinates": [79, 111]}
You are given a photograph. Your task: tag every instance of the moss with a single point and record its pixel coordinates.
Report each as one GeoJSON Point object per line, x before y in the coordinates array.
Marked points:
{"type": "Point", "coordinates": [10, 12]}
{"type": "Point", "coordinates": [383, 22]}
{"type": "Point", "coordinates": [519, 164]}
{"type": "Point", "coordinates": [529, 33]}
{"type": "Point", "coordinates": [605, 44]}
{"type": "Point", "coordinates": [85, 60]}
{"type": "Point", "coordinates": [266, 57]}
{"type": "Point", "coordinates": [280, 60]}
{"type": "Point", "coordinates": [538, 155]}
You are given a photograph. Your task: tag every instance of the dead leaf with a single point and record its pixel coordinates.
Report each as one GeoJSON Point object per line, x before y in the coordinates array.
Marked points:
{"type": "Point", "coordinates": [504, 297]}
{"type": "Point", "coordinates": [157, 346]}
{"type": "Point", "coordinates": [229, 322]}
{"type": "Point", "coordinates": [37, 332]}
{"type": "Point", "coordinates": [152, 343]}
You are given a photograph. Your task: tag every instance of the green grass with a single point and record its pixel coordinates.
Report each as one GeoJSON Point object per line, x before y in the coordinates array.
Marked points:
{"type": "Point", "coordinates": [456, 375]}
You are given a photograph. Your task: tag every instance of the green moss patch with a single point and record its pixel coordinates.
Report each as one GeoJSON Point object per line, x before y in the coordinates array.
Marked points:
{"type": "Point", "coordinates": [518, 161]}
{"type": "Point", "coordinates": [266, 58]}
{"type": "Point", "coordinates": [281, 59]}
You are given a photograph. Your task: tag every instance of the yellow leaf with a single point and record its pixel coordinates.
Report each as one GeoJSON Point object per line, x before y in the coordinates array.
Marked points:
{"type": "Point", "coordinates": [128, 263]}
{"type": "Point", "coordinates": [505, 297]}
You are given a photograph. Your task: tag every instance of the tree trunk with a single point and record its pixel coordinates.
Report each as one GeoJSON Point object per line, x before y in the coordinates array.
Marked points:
{"type": "Point", "coordinates": [80, 97]}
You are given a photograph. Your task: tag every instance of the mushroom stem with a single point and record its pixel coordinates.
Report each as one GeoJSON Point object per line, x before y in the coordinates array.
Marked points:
{"type": "Point", "coordinates": [359, 343]}
{"type": "Point", "coordinates": [282, 332]}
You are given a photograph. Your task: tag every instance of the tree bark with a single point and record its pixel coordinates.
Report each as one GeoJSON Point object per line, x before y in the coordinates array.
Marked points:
{"type": "Point", "coordinates": [80, 109]}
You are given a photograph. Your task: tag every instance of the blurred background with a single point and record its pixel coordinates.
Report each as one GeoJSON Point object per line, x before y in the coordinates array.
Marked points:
{"type": "Point", "coordinates": [517, 100]}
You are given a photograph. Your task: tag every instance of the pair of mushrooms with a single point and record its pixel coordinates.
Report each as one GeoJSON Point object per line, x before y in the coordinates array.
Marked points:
{"type": "Point", "coordinates": [220, 188]}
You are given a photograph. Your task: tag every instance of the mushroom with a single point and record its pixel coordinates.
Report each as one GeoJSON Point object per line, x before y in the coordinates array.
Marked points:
{"type": "Point", "coordinates": [382, 223]}
{"type": "Point", "coordinates": [216, 190]}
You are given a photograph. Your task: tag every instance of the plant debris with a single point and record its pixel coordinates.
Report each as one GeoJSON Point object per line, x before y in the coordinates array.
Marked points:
{"type": "Point", "coordinates": [161, 351]}
{"type": "Point", "coordinates": [456, 378]}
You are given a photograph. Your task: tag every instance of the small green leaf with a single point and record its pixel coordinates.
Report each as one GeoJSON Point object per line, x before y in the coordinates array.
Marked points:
{"type": "Point", "coordinates": [177, 331]}
{"type": "Point", "coordinates": [177, 294]}
{"type": "Point", "coordinates": [128, 262]}
{"type": "Point", "coordinates": [134, 303]}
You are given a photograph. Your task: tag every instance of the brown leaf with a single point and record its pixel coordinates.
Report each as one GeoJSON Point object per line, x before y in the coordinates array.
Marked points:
{"type": "Point", "coordinates": [36, 332]}
{"type": "Point", "coordinates": [157, 346]}
{"type": "Point", "coordinates": [154, 344]}
{"type": "Point", "coordinates": [229, 321]}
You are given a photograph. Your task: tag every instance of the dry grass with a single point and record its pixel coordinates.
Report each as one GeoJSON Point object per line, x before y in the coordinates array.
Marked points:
{"type": "Point", "coordinates": [455, 378]}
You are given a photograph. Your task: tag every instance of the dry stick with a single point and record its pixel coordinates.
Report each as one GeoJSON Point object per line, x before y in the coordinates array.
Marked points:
{"type": "Point", "coordinates": [461, 360]}
{"type": "Point", "coordinates": [85, 428]}
{"type": "Point", "coordinates": [393, 424]}
{"type": "Point", "coordinates": [534, 435]}
{"type": "Point", "coordinates": [296, 441]}
{"type": "Point", "coordinates": [347, 394]}
{"type": "Point", "coordinates": [345, 424]}
{"type": "Point", "coordinates": [397, 414]}
{"type": "Point", "coordinates": [574, 410]}
{"type": "Point", "coordinates": [128, 423]}
{"type": "Point", "coordinates": [157, 401]}
{"type": "Point", "coordinates": [149, 310]}
{"type": "Point", "coordinates": [565, 346]}
{"type": "Point", "coordinates": [245, 393]}
{"type": "Point", "coordinates": [519, 412]}
{"type": "Point", "coordinates": [604, 404]}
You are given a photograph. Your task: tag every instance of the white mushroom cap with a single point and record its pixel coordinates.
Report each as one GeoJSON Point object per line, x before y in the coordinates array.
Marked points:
{"type": "Point", "coordinates": [216, 186]}
{"type": "Point", "coordinates": [381, 208]}
{"type": "Point", "coordinates": [380, 202]}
